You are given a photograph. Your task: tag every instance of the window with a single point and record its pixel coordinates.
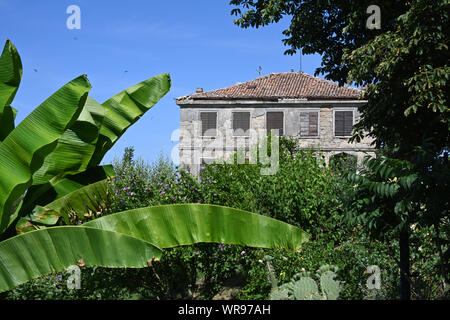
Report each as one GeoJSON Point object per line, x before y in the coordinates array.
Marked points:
{"type": "Point", "coordinates": [343, 123]}
{"type": "Point", "coordinates": [241, 123]}
{"type": "Point", "coordinates": [309, 124]}
{"type": "Point", "coordinates": [275, 121]}
{"type": "Point", "coordinates": [209, 123]}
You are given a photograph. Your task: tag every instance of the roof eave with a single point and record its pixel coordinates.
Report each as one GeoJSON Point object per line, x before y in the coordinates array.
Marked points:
{"type": "Point", "coordinates": [230, 101]}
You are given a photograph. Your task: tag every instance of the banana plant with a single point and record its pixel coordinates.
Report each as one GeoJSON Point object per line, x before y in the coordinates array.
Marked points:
{"type": "Point", "coordinates": [57, 149]}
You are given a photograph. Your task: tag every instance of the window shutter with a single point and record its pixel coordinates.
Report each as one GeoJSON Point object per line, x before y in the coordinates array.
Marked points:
{"type": "Point", "coordinates": [275, 121]}
{"type": "Point", "coordinates": [348, 122]}
{"type": "Point", "coordinates": [309, 123]}
{"type": "Point", "coordinates": [241, 123]}
{"type": "Point", "coordinates": [304, 123]}
{"type": "Point", "coordinates": [343, 123]}
{"type": "Point", "coordinates": [338, 123]}
{"type": "Point", "coordinates": [313, 123]}
{"type": "Point", "coordinates": [209, 122]}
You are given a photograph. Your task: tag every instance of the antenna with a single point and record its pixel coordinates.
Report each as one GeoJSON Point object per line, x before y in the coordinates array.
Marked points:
{"type": "Point", "coordinates": [259, 70]}
{"type": "Point", "coordinates": [301, 60]}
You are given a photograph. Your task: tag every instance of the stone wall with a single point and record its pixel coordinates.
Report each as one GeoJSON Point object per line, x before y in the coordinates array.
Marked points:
{"type": "Point", "coordinates": [193, 146]}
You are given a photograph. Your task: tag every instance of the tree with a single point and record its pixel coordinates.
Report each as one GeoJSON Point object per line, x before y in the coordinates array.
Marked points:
{"type": "Point", "coordinates": [404, 67]}
{"type": "Point", "coordinates": [320, 26]}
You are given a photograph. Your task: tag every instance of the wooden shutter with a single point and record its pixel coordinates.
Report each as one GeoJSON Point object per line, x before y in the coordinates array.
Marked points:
{"type": "Point", "coordinates": [313, 123]}
{"type": "Point", "coordinates": [275, 121]}
{"type": "Point", "coordinates": [343, 123]}
{"type": "Point", "coordinates": [348, 122]}
{"type": "Point", "coordinates": [309, 123]}
{"type": "Point", "coordinates": [241, 123]}
{"type": "Point", "coordinates": [209, 122]}
{"type": "Point", "coordinates": [304, 123]}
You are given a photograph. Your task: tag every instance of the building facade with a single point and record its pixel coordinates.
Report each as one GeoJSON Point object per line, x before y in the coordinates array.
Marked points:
{"type": "Point", "coordinates": [318, 112]}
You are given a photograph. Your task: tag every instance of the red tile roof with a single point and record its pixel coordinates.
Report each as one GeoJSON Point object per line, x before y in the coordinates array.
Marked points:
{"type": "Point", "coordinates": [290, 85]}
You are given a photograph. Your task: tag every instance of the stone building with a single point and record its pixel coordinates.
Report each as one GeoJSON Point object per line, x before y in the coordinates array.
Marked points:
{"type": "Point", "coordinates": [316, 111]}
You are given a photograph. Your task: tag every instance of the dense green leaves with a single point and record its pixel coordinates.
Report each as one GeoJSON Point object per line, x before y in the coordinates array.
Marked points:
{"type": "Point", "coordinates": [319, 26]}
{"type": "Point", "coordinates": [407, 76]}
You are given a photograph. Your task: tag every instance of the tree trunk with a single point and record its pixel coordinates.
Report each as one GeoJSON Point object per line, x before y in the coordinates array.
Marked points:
{"type": "Point", "coordinates": [405, 286]}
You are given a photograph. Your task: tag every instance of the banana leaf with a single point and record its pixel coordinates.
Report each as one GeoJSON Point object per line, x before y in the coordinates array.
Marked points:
{"type": "Point", "coordinates": [84, 203]}
{"type": "Point", "coordinates": [75, 147]}
{"type": "Point", "coordinates": [23, 151]}
{"type": "Point", "coordinates": [10, 76]}
{"type": "Point", "coordinates": [133, 238]}
{"type": "Point", "coordinates": [37, 253]}
{"type": "Point", "coordinates": [185, 224]}
{"type": "Point", "coordinates": [42, 195]}
{"type": "Point", "coordinates": [125, 108]}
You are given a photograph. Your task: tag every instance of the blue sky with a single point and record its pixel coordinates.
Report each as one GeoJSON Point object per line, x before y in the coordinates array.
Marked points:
{"type": "Point", "coordinates": [121, 43]}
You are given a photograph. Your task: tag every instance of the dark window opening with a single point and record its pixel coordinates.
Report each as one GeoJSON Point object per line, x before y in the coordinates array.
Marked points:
{"type": "Point", "coordinates": [209, 123]}
{"type": "Point", "coordinates": [343, 123]}
{"type": "Point", "coordinates": [275, 121]}
{"type": "Point", "coordinates": [241, 123]}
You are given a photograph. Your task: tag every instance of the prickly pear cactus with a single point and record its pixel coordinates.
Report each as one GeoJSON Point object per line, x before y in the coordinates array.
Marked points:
{"type": "Point", "coordinates": [304, 287]}
{"type": "Point", "coordinates": [329, 285]}
{"type": "Point", "coordinates": [281, 294]}
{"type": "Point", "coordinates": [271, 273]}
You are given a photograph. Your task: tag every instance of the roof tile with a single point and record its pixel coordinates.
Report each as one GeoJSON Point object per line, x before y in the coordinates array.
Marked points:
{"type": "Point", "coordinates": [288, 85]}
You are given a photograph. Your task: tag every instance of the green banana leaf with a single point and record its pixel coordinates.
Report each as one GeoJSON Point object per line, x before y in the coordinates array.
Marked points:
{"type": "Point", "coordinates": [131, 238]}
{"type": "Point", "coordinates": [23, 151]}
{"type": "Point", "coordinates": [37, 253]}
{"type": "Point", "coordinates": [75, 147]}
{"type": "Point", "coordinates": [84, 203]}
{"type": "Point", "coordinates": [42, 195]}
{"type": "Point", "coordinates": [10, 76]}
{"type": "Point", "coordinates": [185, 224]}
{"type": "Point", "coordinates": [125, 108]}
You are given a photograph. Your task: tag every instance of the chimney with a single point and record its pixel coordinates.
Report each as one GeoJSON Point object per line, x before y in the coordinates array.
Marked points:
{"type": "Point", "coordinates": [199, 90]}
